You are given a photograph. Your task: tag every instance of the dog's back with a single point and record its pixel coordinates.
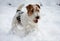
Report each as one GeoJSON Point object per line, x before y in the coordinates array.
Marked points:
{"type": "Point", "coordinates": [16, 19]}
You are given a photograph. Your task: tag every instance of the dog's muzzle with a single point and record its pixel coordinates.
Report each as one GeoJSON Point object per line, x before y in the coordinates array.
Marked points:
{"type": "Point", "coordinates": [36, 19]}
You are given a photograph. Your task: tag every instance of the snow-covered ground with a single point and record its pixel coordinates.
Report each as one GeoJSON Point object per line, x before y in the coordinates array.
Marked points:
{"type": "Point", "coordinates": [49, 24]}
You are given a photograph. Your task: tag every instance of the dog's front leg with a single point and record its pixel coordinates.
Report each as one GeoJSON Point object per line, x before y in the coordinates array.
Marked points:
{"type": "Point", "coordinates": [27, 29]}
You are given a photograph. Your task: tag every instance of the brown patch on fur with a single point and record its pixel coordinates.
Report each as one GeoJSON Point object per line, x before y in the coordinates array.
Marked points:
{"type": "Point", "coordinates": [37, 9]}
{"type": "Point", "coordinates": [30, 9]}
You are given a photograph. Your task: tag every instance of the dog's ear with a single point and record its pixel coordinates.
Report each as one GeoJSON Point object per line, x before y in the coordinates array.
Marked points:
{"type": "Point", "coordinates": [30, 9]}
{"type": "Point", "coordinates": [38, 5]}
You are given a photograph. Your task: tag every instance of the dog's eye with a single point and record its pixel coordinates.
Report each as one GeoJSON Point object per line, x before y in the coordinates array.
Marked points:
{"type": "Point", "coordinates": [37, 10]}
{"type": "Point", "coordinates": [32, 10]}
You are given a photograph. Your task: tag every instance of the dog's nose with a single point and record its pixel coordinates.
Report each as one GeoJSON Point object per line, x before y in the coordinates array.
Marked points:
{"type": "Point", "coordinates": [37, 17]}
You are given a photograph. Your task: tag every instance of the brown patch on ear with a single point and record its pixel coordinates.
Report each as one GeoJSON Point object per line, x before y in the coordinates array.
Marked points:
{"type": "Point", "coordinates": [30, 9]}
{"type": "Point", "coordinates": [29, 6]}
{"type": "Point", "coordinates": [37, 5]}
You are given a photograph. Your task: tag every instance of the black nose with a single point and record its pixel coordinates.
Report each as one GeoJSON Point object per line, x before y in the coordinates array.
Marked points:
{"type": "Point", "coordinates": [37, 17]}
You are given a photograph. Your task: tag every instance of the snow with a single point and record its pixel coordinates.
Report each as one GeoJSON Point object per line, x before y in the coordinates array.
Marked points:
{"type": "Point", "coordinates": [49, 24]}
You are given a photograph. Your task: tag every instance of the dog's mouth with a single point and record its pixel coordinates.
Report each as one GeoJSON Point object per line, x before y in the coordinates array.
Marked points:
{"type": "Point", "coordinates": [35, 21]}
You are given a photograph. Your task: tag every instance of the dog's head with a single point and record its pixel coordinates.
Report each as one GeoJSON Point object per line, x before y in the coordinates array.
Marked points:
{"type": "Point", "coordinates": [33, 12]}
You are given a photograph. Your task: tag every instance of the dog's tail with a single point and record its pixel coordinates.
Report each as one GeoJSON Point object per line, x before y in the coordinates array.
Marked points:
{"type": "Point", "coordinates": [20, 7]}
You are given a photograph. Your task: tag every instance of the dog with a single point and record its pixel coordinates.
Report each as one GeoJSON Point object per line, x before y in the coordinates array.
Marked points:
{"type": "Point", "coordinates": [26, 22]}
